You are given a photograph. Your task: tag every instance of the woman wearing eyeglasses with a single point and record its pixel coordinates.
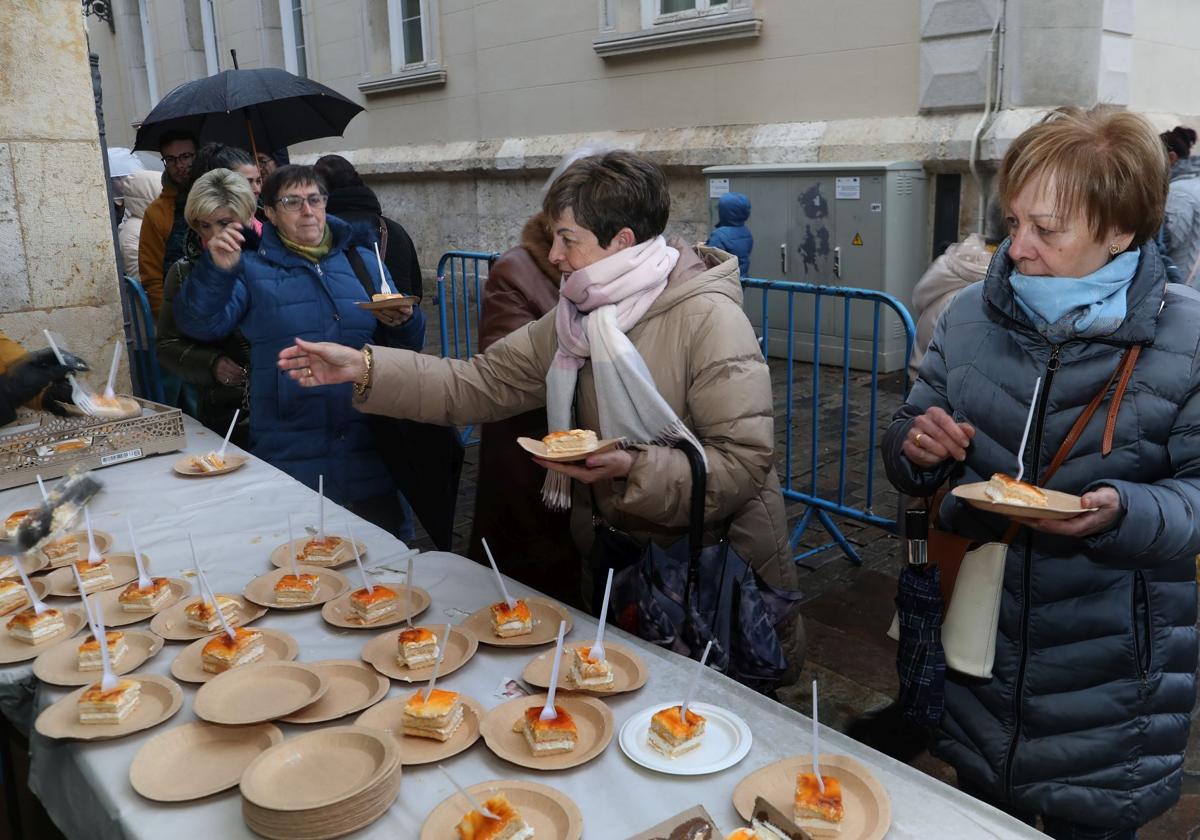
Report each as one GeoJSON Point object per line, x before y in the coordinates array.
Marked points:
{"type": "Point", "coordinates": [302, 281]}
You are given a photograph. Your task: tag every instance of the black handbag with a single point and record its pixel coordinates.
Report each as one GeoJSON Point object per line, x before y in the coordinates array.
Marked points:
{"type": "Point", "coordinates": [424, 460]}
{"type": "Point", "coordinates": [682, 596]}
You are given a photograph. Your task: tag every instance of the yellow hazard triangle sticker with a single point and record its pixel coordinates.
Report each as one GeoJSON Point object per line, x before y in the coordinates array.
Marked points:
{"type": "Point", "coordinates": [857, 239]}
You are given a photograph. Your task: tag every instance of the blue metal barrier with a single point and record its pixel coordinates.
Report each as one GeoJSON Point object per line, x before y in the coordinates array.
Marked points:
{"type": "Point", "coordinates": [459, 301]}
{"type": "Point", "coordinates": [140, 339]}
{"type": "Point", "coordinates": [819, 504]}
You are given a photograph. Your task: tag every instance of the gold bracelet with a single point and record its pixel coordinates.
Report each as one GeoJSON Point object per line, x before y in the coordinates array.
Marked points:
{"type": "Point", "coordinates": [364, 382]}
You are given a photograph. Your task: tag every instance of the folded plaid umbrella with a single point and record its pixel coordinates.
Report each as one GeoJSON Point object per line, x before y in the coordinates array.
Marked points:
{"type": "Point", "coordinates": [920, 660]}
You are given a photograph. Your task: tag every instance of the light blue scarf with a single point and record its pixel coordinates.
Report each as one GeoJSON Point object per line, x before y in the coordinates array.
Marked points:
{"type": "Point", "coordinates": [1063, 308]}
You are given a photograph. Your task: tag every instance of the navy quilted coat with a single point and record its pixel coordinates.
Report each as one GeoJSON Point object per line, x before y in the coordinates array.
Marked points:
{"type": "Point", "coordinates": [274, 295]}
{"type": "Point", "coordinates": [1086, 717]}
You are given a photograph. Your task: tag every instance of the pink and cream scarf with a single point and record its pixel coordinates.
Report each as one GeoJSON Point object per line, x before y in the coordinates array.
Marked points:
{"type": "Point", "coordinates": [597, 306]}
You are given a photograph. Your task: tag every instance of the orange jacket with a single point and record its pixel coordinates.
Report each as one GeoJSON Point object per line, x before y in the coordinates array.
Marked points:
{"type": "Point", "coordinates": [10, 351]}
{"type": "Point", "coordinates": [152, 247]}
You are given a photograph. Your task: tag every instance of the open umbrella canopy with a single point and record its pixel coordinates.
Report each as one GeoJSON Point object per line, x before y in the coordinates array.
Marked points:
{"type": "Point", "coordinates": [282, 109]}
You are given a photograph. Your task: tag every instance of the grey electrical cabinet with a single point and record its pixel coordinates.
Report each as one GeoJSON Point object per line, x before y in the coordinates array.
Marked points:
{"type": "Point", "coordinates": [838, 224]}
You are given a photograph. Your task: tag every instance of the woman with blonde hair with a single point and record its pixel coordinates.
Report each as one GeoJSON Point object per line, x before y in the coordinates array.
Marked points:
{"type": "Point", "coordinates": [217, 369]}
{"type": "Point", "coordinates": [1085, 719]}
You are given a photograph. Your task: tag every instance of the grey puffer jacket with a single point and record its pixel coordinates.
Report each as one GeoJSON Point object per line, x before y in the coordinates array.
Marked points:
{"type": "Point", "coordinates": [1181, 225]}
{"type": "Point", "coordinates": [1087, 714]}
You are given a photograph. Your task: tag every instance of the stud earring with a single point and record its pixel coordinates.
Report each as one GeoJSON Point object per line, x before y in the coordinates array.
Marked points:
{"type": "Point", "coordinates": [1114, 249]}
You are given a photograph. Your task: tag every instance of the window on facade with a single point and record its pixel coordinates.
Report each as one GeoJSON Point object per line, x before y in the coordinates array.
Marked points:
{"type": "Point", "coordinates": [406, 32]}
{"type": "Point", "coordinates": [671, 7]}
{"type": "Point", "coordinates": [291, 18]}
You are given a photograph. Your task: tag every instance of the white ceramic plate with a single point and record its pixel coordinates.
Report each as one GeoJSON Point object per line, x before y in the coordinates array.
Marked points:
{"type": "Point", "coordinates": [726, 741]}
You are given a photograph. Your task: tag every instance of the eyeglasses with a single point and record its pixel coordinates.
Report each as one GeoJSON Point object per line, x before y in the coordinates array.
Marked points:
{"type": "Point", "coordinates": [185, 158]}
{"type": "Point", "coordinates": [292, 203]}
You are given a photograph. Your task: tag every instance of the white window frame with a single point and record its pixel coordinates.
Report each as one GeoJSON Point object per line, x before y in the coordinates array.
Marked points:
{"type": "Point", "coordinates": [395, 14]}
{"type": "Point", "coordinates": [404, 73]}
{"type": "Point", "coordinates": [208, 26]}
{"type": "Point", "coordinates": [287, 23]}
{"type": "Point", "coordinates": [653, 15]}
{"type": "Point", "coordinates": [149, 54]}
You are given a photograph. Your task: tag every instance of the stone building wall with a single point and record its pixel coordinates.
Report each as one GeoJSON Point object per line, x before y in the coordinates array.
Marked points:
{"type": "Point", "coordinates": [57, 268]}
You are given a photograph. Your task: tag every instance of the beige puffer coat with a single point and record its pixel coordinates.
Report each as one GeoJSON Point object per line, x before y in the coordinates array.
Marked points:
{"type": "Point", "coordinates": [139, 190]}
{"type": "Point", "coordinates": [705, 360]}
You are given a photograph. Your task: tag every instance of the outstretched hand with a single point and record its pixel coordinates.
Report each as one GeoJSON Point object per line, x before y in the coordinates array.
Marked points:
{"type": "Point", "coordinates": [321, 363]}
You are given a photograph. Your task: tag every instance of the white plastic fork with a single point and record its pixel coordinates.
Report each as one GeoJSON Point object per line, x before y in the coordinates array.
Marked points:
{"type": "Point", "coordinates": [79, 395]}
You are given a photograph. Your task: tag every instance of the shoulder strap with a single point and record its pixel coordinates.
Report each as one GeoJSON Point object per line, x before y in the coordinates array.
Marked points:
{"type": "Point", "coordinates": [360, 270]}
{"type": "Point", "coordinates": [1121, 376]}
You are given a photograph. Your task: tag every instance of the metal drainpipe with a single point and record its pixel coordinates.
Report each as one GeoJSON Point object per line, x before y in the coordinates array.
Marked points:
{"type": "Point", "coordinates": [994, 79]}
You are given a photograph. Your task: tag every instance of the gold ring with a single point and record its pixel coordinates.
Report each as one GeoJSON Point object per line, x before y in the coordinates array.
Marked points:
{"type": "Point", "coordinates": [308, 372]}
{"type": "Point", "coordinates": [917, 439]}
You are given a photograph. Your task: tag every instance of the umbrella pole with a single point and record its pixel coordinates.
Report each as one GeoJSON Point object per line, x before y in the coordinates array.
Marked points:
{"type": "Point", "coordinates": [253, 147]}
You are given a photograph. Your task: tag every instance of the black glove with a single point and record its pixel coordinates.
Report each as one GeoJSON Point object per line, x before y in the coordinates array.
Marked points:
{"type": "Point", "coordinates": [57, 395]}
{"type": "Point", "coordinates": [30, 374]}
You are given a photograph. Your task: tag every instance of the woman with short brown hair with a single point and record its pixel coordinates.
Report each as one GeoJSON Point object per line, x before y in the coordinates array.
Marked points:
{"type": "Point", "coordinates": [1085, 719]}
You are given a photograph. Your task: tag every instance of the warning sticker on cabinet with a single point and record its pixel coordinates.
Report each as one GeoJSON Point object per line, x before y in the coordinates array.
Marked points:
{"type": "Point", "coordinates": [717, 187]}
{"type": "Point", "coordinates": [847, 187]}
{"type": "Point", "coordinates": [857, 239]}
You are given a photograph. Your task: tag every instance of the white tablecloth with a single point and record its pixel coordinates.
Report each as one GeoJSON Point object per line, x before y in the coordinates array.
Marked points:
{"type": "Point", "coordinates": [237, 519]}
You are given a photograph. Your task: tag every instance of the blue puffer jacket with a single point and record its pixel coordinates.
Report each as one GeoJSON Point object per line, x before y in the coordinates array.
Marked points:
{"type": "Point", "coordinates": [1087, 714]}
{"type": "Point", "coordinates": [731, 234]}
{"type": "Point", "coordinates": [273, 296]}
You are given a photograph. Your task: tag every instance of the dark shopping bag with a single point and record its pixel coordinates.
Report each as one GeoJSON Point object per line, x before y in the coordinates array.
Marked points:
{"type": "Point", "coordinates": [682, 596]}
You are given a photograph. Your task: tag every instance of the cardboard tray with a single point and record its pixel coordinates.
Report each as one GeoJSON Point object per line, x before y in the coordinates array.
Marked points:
{"type": "Point", "coordinates": [159, 429]}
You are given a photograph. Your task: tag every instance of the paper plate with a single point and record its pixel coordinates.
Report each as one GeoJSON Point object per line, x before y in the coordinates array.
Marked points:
{"type": "Point", "coordinates": [188, 666]}
{"type": "Point", "coordinates": [122, 567]}
{"type": "Point", "coordinates": [103, 540]}
{"type": "Point", "coordinates": [30, 562]}
{"type": "Point", "coordinates": [279, 557]}
{"type": "Point", "coordinates": [60, 664]}
{"type": "Point", "coordinates": [726, 741]}
{"type": "Point", "coordinates": [261, 590]}
{"type": "Point", "coordinates": [545, 614]}
{"type": "Point", "coordinates": [1059, 505]}
{"type": "Point", "coordinates": [381, 653]}
{"type": "Point", "coordinates": [389, 715]}
{"type": "Point", "coordinates": [338, 612]}
{"type": "Point", "coordinates": [549, 812]}
{"type": "Point", "coordinates": [126, 407]}
{"type": "Point", "coordinates": [868, 809]}
{"type": "Point", "coordinates": [352, 687]}
{"type": "Point", "coordinates": [12, 650]}
{"type": "Point", "coordinates": [198, 759]}
{"type": "Point", "coordinates": [115, 616]}
{"type": "Point", "coordinates": [172, 623]}
{"type": "Point", "coordinates": [39, 589]}
{"type": "Point", "coordinates": [390, 303]}
{"type": "Point", "coordinates": [593, 720]}
{"type": "Point", "coordinates": [258, 692]}
{"type": "Point", "coordinates": [232, 462]}
{"type": "Point", "coordinates": [629, 670]}
{"type": "Point", "coordinates": [538, 449]}
{"type": "Point", "coordinates": [319, 769]}
{"type": "Point", "coordinates": [159, 700]}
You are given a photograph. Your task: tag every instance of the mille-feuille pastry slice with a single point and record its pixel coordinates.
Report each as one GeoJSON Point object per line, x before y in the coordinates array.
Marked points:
{"type": "Point", "coordinates": [31, 628]}
{"type": "Point", "coordinates": [323, 552]}
{"type": "Point", "coordinates": [504, 824]}
{"type": "Point", "coordinates": [13, 521]}
{"type": "Point", "coordinates": [548, 737]}
{"type": "Point", "coordinates": [372, 606]}
{"type": "Point", "coordinates": [587, 671]}
{"type": "Point", "coordinates": [12, 596]}
{"type": "Point", "coordinates": [672, 735]}
{"type": "Point", "coordinates": [819, 812]}
{"type": "Point", "coordinates": [62, 549]}
{"type": "Point", "coordinates": [8, 566]}
{"type": "Point", "coordinates": [208, 462]}
{"type": "Point", "coordinates": [511, 621]}
{"type": "Point", "coordinates": [222, 653]}
{"type": "Point", "coordinates": [436, 716]}
{"type": "Point", "coordinates": [296, 589]}
{"type": "Point", "coordinates": [417, 647]}
{"type": "Point", "coordinates": [94, 576]}
{"type": "Point", "coordinates": [108, 707]}
{"type": "Point", "coordinates": [201, 614]}
{"type": "Point", "coordinates": [90, 657]}
{"type": "Point", "coordinates": [134, 598]}
{"type": "Point", "coordinates": [572, 442]}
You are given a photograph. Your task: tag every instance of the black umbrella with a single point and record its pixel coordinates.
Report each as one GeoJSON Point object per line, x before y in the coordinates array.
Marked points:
{"type": "Point", "coordinates": [264, 108]}
{"type": "Point", "coordinates": [920, 659]}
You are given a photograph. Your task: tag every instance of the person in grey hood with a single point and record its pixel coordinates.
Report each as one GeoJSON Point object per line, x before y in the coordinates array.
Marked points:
{"type": "Point", "coordinates": [1085, 719]}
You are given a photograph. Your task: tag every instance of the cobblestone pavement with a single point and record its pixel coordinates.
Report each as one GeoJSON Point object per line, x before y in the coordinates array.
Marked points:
{"type": "Point", "coordinates": [846, 607]}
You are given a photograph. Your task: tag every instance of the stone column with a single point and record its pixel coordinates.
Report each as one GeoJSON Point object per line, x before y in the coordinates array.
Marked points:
{"type": "Point", "coordinates": [57, 266]}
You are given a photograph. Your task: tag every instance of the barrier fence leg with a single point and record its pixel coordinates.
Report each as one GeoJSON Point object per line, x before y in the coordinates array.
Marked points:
{"type": "Point", "coordinates": [839, 539]}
